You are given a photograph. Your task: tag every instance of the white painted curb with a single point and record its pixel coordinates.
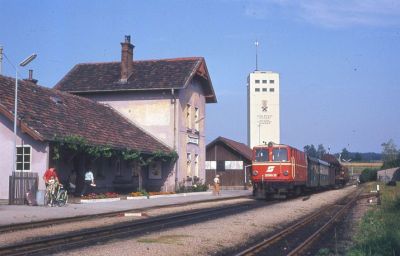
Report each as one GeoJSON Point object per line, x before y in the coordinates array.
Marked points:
{"type": "Point", "coordinates": [102, 200]}
{"type": "Point", "coordinates": [136, 197]}
{"type": "Point", "coordinates": [170, 195]}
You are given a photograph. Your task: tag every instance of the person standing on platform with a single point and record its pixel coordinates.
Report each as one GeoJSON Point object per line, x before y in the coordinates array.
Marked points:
{"type": "Point", "coordinates": [89, 182]}
{"type": "Point", "coordinates": [217, 185]}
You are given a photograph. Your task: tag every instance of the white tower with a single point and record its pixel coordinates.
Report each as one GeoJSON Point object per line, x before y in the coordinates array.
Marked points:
{"type": "Point", "coordinates": [263, 124]}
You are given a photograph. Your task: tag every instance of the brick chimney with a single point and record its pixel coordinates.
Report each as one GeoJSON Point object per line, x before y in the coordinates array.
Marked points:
{"type": "Point", "coordinates": [30, 78]}
{"type": "Point", "coordinates": [126, 59]}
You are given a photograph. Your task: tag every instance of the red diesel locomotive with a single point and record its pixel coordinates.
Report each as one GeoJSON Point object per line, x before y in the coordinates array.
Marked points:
{"type": "Point", "coordinates": [279, 170]}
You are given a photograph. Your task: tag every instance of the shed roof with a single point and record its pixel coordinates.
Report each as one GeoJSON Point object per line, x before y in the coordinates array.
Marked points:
{"type": "Point", "coordinates": [159, 74]}
{"type": "Point", "coordinates": [48, 113]}
{"type": "Point", "coordinates": [238, 147]}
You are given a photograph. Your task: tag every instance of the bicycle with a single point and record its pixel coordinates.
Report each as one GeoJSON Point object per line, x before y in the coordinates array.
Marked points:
{"type": "Point", "coordinates": [56, 195]}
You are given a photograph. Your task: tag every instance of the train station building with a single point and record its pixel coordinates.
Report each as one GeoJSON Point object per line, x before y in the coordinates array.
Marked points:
{"type": "Point", "coordinates": [150, 111]}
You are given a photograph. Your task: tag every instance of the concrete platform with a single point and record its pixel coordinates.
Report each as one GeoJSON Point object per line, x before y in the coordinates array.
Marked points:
{"type": "Point", "coordinates": [14, 214]}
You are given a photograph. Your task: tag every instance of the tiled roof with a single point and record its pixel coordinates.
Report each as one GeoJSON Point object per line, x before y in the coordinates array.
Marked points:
{"type": "Point", "coordinates": [147, 75]}
{"type": "Point", "coordinates": [331, 159]}
{"type": "Point", "coordinates": [46, 113]}
{"type": "Point", "coordinates": [239, 147]}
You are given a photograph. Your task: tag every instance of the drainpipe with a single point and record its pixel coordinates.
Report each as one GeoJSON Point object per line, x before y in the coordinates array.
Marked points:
{"type": "Point", "coordinates": [173, 101]}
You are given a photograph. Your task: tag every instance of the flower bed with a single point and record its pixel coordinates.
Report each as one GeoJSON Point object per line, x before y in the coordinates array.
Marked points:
{"type": "Point", "coordinates": [100, 196]}
{"type": "Point", "coordinates": [160, 193]}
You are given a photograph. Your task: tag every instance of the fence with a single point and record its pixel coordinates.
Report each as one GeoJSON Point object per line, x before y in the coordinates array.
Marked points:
{"type": "Point", "coordinates": [21, 183]}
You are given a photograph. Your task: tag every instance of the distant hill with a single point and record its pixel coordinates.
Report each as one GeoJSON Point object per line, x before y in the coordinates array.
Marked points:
{"type": "Point", "coordinates": [365, 157]}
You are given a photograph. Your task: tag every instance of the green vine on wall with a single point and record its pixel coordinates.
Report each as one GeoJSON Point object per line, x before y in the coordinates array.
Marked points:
{"type": "Point", "coordinates": [79, 144]}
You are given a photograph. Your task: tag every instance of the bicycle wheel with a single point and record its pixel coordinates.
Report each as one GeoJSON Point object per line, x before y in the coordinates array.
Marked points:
{"type": "Point", "coordinates": [47, 198]}
{"type": "Point", "coordinates": [63, 198]}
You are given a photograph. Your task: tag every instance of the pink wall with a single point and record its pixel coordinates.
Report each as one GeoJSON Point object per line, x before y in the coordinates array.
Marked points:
{"type": "Point", "coordinates": [39, 160]}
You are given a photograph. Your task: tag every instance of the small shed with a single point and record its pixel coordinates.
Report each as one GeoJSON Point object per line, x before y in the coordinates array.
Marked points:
{"type": "Point", "coordinates": [229, 159]}
{"type": "Point", "coordinates": [392, 174]}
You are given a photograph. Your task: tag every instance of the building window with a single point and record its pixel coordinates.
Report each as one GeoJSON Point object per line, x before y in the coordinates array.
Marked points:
{"type": "Point", "coordinates": [257, 81]}
{"type": "Point", "coordinates": [188, 164]}
{"type": "Point", "coordinates": [257, 89]}
{"type": "Point", "coordinates": [196, 119]}
{"type": "Point", "coordinates": [211, 165]}
{"type": "Point", "coordinates": [271, 81]}
{"type": "Point", "coordinates": [23, 162]}
{"type": "Point", "coordinates": [155, 171]}
{"type": "Point", "coordinates": [233, 165]}
{"type": "Point", "coordinates": [196, 165]}
{"type": "Point", "coordinates": [271, 89]}
{"type": "Point", "coordinates": [264, 81]}
{"type": "Point", "coordinates": [135, 169]}
{"type": "Point", "coordinates": [188, 116]}
{"type": "Point", "coordinates": [220, 165]}
{"type": "Point", "coordinates": [264, 89]}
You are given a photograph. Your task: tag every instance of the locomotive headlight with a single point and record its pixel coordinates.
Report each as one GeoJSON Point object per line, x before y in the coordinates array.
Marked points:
{"type": "Point", "coordinates": [255, 173]}
{"type": "Point", "coordinates": [286, 173]}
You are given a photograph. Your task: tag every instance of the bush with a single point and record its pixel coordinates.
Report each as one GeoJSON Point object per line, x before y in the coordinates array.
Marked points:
{"type": "Point", "coordinates": [199, 187]}
{"type": "Point", "coordinates": [368, 174]}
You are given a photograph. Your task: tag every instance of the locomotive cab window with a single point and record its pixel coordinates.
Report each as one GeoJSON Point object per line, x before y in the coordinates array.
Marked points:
{"type": "Point", "coordinates": [261, 155]}
{"type": "Point", "coordinates": [279, 155]}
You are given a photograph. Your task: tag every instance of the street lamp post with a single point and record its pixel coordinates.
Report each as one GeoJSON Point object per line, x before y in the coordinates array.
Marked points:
{"type": "Point", "coordinates": [22, 64]}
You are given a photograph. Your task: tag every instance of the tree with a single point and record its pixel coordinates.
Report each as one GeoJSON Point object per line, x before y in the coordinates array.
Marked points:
{"type": "Point", "coordinates": [321, 151]}
{"type": "Point", "coordinates": [368, 174]}
{"type": "Point", "coordinates": [357, 157]}
{"type": "Point", "coordinates": [345, 155]}
{"type": "Point", "coordinates": [390, 155]}
{"type": "Point", "coordinates": [310, 150]}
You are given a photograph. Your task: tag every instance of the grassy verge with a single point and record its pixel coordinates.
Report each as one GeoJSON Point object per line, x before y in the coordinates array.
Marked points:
{"type": "Point", "coordinates": [379, 230]}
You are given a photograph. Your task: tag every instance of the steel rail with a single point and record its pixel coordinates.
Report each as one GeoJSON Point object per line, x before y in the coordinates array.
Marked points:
{"type": "Point", "coordinates": [254, 250]}
{"type": "Point", "coordinates": [49, 244]}
{"type": "Point", "coordinates": [57, 221]}
{"type": "Point", "coordinates": [299, 249]}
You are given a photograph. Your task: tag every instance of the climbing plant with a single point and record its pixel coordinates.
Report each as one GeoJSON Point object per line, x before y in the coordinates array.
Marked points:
{"type": "Point", "coordinates": [79, 144]}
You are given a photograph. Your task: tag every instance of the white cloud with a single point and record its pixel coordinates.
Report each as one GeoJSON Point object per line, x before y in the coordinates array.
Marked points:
{"type": "Point", "coordinates": [331, 13]}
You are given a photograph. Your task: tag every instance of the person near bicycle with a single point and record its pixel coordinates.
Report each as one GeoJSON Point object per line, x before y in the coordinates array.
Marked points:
{"type": "Point", "coordinates": [49, 174]}
{"type": "Point", "coordinates": [51, 180]}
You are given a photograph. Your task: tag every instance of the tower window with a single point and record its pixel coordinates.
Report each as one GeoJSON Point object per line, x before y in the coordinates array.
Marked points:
{"type": "Point", "coordinates": [264, 81]}
{"type": "Point", "coordinates": [271, 89]}
{"type": "Point", "coordinates": [271, 81]}
{"type": "Point", "coordinates": [264, 89]}
{"type": "Point", "coordinates": [257, 89]}
{"type": "Point", "coordinates": [257, 81]}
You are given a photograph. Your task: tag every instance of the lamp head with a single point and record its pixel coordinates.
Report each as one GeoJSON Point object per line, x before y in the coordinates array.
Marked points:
{"type": "Point", "coordinates": [28, 60]}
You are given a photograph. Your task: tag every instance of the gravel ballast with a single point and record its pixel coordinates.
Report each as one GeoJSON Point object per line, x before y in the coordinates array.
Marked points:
{"type": "Point", "coordinates": [219, 235]}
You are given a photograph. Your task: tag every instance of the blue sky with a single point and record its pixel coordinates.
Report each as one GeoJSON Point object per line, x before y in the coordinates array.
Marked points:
{"type": "Point", "coordinates": [338, 60]}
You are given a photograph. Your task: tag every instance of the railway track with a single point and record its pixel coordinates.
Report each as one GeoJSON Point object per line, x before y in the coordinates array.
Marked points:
{"type": "Point", "coordinates": [57, 221]}
{"type": "Point", "coordinates": [76, 239]}
{"type": "Point", "coordinates": [296, 238]}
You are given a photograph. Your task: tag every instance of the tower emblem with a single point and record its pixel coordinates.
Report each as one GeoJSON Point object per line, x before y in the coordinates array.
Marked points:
{"type": "Point", "coordinates": [264, 106]}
